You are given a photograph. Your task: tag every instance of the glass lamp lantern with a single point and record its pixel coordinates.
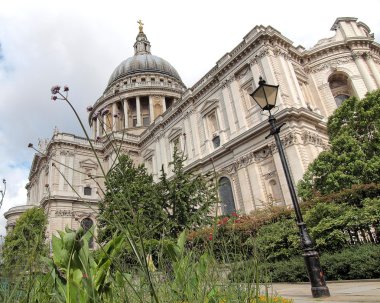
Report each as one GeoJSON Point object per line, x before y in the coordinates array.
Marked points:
{"type": "Point", "coordinates": [265, 95]}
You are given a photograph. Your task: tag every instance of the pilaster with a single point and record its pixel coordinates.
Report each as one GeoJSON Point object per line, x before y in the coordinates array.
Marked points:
{"type": "Point", "coordinates": [138, 111]}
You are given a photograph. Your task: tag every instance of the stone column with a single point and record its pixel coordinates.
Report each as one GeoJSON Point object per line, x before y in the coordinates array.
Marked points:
{"type": "Point", "coordinates": [126, 113]}
{"type": "Point", "coordinates": [163, 146]}
{"type": "Point", "coordinates": [299, 96]}
{"type": "Point", "coordinates": [163, 105]}
{"type": "Point", "coordinates": [151, 111]}
{"type": "Point", "coordinates": [94, 129]}
{"type": "Point", "coordinates": [363, 71]}
{"type": "Point", "coordinates": [328, 99]}
{"type": "Point", "coordinates": [62, 170]}
{"type": "Point", "coordinates": [97, 126]}
{"type": "Point", "coordinates": [240, 113]}
{"type": "Point", "coordinates": [138, 112]}
{"type": "Point", "coordinates": [114, 119]}
{"type": "Point", "coordinates": [158, 157]}
{"type": "Point", "coordinates": [195, 133]}
{"type": "Point", "coordinates": [374, 69]}
{"type": "Point", "coordinates": [187, 131]}
{"type": "Point", "coordinates": [208, 143]}
{"type": "Point", "coordinates": [70, 175]}
{"type": "Point", "coordinates": [104, 123]}
{"type": "Point", "coordinates": [229, 109]}
{"type": "Point", "coordinates": [282, 178]}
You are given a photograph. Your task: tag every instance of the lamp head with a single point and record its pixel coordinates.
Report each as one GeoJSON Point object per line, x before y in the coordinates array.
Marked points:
{"type": "Point", "coordinates": [265, 95]}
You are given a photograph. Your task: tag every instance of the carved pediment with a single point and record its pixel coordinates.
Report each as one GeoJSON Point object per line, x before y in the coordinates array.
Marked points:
{"type": "Point", "coordinates": [174, 132]}
{"type": "Point", "coordinates": [88, 163]}
{"type": "Point", "coordinates": [208, 106]}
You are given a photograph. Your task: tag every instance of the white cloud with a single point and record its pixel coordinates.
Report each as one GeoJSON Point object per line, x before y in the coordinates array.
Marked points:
{"type": "Point", "coordinates": [79, 43]}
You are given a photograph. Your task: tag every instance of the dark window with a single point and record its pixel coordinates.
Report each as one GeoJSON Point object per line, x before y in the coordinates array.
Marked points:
{"type": "Point", "coordinates": [216, 141]}
{"type": "Point", "coordinates": [142, 79]}
{"type": "Point", "coordinates": [168, 102]}
{"type": "Point", "coordinates": [86, 224]}
{"type": "Point", "coordinates": [87, 191]}
{"type": "Point", "coordinates": [146, 121]}
{"type": "Point", "coordinates": [226, 196]}
{"type": "Point", "coordinates": [339, 99]}
{"type": "Point", "coordinates": [152, 79]}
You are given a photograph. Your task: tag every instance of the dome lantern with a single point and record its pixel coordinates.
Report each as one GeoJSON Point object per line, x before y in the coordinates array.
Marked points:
{"type": "Point", "coordinates": [142, 44]}
{"type": "Point", "coordinates": [143, 62]}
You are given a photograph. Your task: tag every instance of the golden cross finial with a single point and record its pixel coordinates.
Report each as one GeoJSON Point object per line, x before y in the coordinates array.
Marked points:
{"type": "Point", "coordinates": [140, 25]}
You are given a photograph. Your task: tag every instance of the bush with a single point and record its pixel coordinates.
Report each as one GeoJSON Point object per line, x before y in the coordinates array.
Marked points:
{"type": "Point", "coordinates": [362, 262]}
{"type": "Point", "coordinates": [278, 241]}
{"type": "Point", "coordinates": [358, 262]}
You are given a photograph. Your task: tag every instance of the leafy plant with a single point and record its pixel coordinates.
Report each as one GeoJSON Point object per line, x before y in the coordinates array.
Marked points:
{"type": "Point", "coordinates": [353, 158]}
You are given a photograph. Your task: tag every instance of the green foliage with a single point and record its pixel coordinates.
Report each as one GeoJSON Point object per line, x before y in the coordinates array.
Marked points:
{"type": "Point", "coordinates": [278, 241]}
{"type": "Point", "coordinates": [163, 209]}
{"type": "Point", "coordinates": [187, 198]}
{"type": "Point", "coordinates": [329, 223]}
{"type": "Point", "coordinates": [354, 156]}
{"type": "Point", "coordinates": [358, 262]}
{"type": "Point", "coordinates": [129, 200]}
{"type": "Point", "coordinates": [76, 275]}
{"type": "Point", "coordinates": [26, 242]}
{"type": "Point", "coordinates": [362, 262]}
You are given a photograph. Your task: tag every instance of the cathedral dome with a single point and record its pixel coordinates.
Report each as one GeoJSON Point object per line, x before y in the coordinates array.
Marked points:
{"type": "Point", "coordinates": [143, 61]}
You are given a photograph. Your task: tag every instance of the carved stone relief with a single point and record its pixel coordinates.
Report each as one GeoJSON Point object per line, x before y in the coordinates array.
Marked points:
{"type": "Point", "coordinates": [313, 139]}
{"type": "Point", "coordinates": [287, 140]}
{"type": "Point", "coordinates": [331, 64]}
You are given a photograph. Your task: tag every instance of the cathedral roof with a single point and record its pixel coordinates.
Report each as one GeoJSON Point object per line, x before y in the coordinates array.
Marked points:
{"type": "Point", "coordinates": [143, 61]}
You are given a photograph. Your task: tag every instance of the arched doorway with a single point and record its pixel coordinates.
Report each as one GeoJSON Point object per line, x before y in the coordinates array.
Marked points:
{"type": "Point", "coordinates": [226, 196]}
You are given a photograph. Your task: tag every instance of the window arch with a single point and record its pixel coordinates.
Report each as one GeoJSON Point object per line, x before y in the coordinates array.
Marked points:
{"type": "Point", "coordinates": [340, 86]}
{"type": "Point", "coordinates": [226, 196]}
{"type": "Point", "coordinates": [86, 224]}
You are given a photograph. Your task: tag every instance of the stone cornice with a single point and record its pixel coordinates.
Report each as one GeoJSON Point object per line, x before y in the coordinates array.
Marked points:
{"type": "Point", "coordinates": [18, 210]}
{"type": "Point", "coordinates": [315, 68]}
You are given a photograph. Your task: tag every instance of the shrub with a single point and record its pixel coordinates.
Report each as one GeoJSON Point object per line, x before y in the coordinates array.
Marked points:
{"type": "Point", "coordinates": [358, 262]}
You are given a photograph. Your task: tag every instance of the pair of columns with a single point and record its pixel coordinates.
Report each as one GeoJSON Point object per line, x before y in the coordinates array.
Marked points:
{"type": "Point", "coordinates": [99, 125]}
{"type": "Point", "coordinates": [361, 65]}
{"type": "Point", "coordinates": [138, 112]}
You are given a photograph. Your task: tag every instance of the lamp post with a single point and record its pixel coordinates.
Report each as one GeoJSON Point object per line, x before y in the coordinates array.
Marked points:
{"type": "Point", "coordinates": [265, 96]}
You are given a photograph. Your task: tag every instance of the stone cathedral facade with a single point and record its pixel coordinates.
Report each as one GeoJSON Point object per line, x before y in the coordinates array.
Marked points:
{"type": "Point", "coordinates": [147, 110]}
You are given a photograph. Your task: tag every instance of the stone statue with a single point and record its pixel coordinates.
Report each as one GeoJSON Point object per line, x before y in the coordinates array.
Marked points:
{"type": "Point", "coordinates": [140, 26]}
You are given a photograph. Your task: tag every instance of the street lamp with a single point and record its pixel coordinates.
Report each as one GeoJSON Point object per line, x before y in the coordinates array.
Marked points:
{"type": "Point", "coordinates": [265, 96]}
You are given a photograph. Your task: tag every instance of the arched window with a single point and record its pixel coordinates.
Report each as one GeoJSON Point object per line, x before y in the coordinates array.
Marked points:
{"type": "Point", "coordinates": [226, 196]}
{"type": "Point", "coordinates": [340, 86]}
{"type": "Point", "coordinates": [339, 99]}
{"type": "Point", "coordinates": [86, 224]}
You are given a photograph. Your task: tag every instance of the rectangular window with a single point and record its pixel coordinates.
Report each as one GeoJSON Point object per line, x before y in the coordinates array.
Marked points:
{"type": "Point", "coordinates": [87, 191]}
{"type": "Point", "coordinates": [146, 121]}
{"type": "Point", "coordinates": [213, 123]}
{"type": "Point", "coordinates": [216, 141]}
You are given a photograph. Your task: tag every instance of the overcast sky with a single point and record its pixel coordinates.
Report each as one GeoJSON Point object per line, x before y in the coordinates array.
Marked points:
{"type": "Point", "coordinates": [79, 43]}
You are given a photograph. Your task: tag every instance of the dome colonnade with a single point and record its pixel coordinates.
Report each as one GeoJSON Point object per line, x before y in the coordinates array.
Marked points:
{"type": "Point", "coordinates": [140, 89]}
